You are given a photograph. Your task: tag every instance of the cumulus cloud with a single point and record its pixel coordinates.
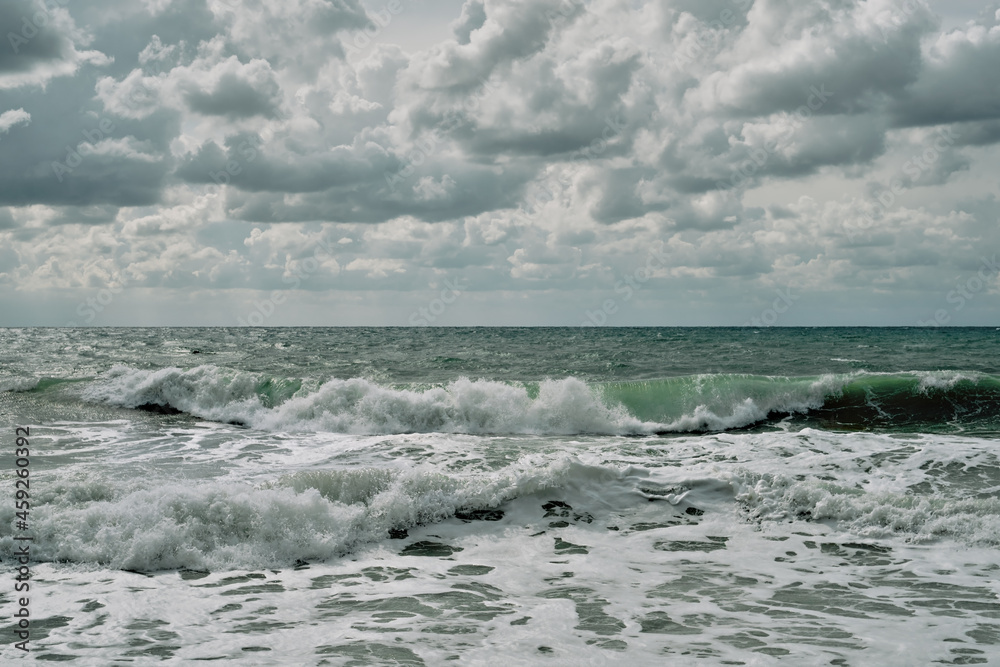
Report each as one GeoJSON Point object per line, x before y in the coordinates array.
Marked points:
{"type": "Point", "coordinates": [9, 119]}
{"type": "Point", "coordinates": [545, 146]}
{"type": "Point", "coordinates": [42, 42]}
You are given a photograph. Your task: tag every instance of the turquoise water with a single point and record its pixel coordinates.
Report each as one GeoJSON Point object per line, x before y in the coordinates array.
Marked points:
{"type": "Point", "coordinates": [510, 496]}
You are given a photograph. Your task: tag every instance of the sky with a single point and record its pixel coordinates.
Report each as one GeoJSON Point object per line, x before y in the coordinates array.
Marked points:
{"type": "Point", "coordinates": [499, 162]}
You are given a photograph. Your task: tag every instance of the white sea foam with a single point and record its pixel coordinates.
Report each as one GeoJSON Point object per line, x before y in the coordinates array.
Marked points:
{"type": "Point", "coordinates": [624, 560]}
{"type": "Point", "coordinates": [463, 406]}
{"type": "Point", "coordinates": [205, 391]}
{"type": "Point", "coordinates": [916, 518]}
{"type": "Point", "coordinates": [361, 406]}
{"type": "Point", "coordinates": [799, 546]}
{"type": "Point", "coordinates": [944, 379]}
{"type": "Point", "coordinates": [312, 516]}
{"type": "Point", "coordinates": [553, 407]}
{"type": "Point", "coordinates": [11, 383]}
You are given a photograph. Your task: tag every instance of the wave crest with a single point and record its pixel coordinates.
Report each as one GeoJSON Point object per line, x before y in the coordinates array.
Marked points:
{"type": "Point", "coordinates": [858, 400]}
{"type": "Point", "coordinates": [313, 516]}
{"type": "Point", "coordinates": [361, 406]}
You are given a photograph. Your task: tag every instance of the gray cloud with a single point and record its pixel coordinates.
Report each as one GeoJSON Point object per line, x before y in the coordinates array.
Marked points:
{"type": "Point", "coordinates": [546, 147]}
{"type": "Point", "coordinates": [30, 37]}
{"type": "Point", "coordinates": [7, 219]}
{"type": "Point", "coordinates": [473, 18]}
{"type": "Point", "coordinates": [234, 97]}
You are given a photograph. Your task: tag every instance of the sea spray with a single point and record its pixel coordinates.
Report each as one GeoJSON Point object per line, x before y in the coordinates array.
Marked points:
{"type": "Point", "coordinates": [956, 400]}
{"type": "Point", "coordinates": [316, 515]}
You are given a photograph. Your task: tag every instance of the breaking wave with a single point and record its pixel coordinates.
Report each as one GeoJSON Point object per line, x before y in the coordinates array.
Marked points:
{"type": "Point", "coordinates": [860, 400]}
{"type": "Point", "coordinates": [315, 515]}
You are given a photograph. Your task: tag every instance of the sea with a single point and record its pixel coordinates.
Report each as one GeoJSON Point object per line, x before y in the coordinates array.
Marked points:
{"type": "Point", "coordinates": [502, 496]}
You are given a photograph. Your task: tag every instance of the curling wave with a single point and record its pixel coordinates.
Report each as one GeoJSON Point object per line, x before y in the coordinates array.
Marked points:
{"type": "Point", "coordinates": [941, 400]}
{"type": "Point", "coordinates": [361, 406]}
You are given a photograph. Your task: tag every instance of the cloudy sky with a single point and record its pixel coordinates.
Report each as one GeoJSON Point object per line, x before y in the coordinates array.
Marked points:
{"type": "Point", "coordinates": [499, 162]}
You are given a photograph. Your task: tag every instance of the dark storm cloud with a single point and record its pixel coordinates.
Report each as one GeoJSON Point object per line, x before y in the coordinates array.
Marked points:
{"type": "Point", "coordinates": [7, 219]}
{"type": "Point", "coordinates": [245, 164]}
{"type": "Point", "coordinates": [618, 197]}
{"type": "Point", "coordinates": [504, 90]}
{"type": "Point", "coordinates": [29, 38]}
{"type": "Point", "coordinates": [979, 134]}
{"type": "Point", "coordinates": [236, 98]}
{"type": "Point", "coordinates": [85, 215]}
{"type": "Point", "coordinates": [964, 88]}
{"type": "Point", "coordinates": [80, 151]}
{"type": "Point", "coordinates": [862, 70]}
{"type": "Point", "coordinates": [957, 81]}
{"type": "Point", "coordinates": [125, 29]}
{"type": "Point", "coordinates": [444, 192]}
{"type": "Point", "coordinates": [83, 155]}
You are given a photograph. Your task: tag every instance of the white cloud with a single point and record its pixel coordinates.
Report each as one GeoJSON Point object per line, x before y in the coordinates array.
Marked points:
{"type": "Point", "coordinates": [755, 142]}
{"type": "Point", "coordinates": [13, 117]}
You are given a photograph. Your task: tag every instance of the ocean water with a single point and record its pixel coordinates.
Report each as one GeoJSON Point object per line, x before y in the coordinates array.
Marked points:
{"type": "Point", "coordinates": [506, 496]}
